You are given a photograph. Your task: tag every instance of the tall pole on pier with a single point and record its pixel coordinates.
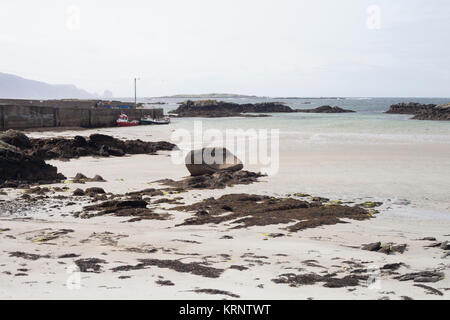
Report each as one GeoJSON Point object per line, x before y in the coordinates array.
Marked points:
{"type": "Point", "coordinates": [135, 93]}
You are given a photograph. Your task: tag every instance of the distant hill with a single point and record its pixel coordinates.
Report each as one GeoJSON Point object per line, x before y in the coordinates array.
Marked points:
{"type": "Point", "coordinates": [209, 95]}
{"type": "Point", "coordinates": [15, 87]}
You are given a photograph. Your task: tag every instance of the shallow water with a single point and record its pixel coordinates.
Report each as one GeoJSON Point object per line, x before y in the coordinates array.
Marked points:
{"type": "Point", "coordinates": [368, 125]}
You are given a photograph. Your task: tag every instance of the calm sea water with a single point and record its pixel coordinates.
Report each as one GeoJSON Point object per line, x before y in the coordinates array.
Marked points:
{"type": "Point", "coordinates": [368, 125]}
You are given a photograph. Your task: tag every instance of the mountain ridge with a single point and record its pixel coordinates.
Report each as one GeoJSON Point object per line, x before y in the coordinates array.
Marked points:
{"type": "Point", "coordinates": [16, 87]}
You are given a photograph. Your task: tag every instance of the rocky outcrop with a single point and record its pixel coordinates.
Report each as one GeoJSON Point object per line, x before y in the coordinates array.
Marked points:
{"type": "Point", "coordinates": [218, 180]}
{"type": "Point", "coordinates": [18, 168]}
{"type": "Point", "coordinates": [16, 138]}
{"type": "Point", "coordinates": [422, 111]}
{"type": "Point", "coordinates": [22, 160]}
{"type": "Point", "coordinates": [96, 145]}
{"type": "Point", "coordinates": [409, 108]}
{"type": "Point", "coordinates": [214, 108]}
{"type": "Point", "coordinates": [325, 109]}
{"type": "Point", "coordinates": [441, 112]}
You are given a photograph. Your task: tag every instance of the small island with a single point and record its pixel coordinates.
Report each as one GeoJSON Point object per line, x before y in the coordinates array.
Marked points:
{"type": "Point", "coordinates": [215, 109]}
{"type": "Point", "coordinates": [422, 111]}
{"type": "Point", "coordinates": [325, 109]}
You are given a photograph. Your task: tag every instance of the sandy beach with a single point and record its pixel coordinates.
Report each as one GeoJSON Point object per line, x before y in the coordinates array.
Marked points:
{"type": "Point", "coordinates": [254, 154]}
{"type": "Point", "coordinates": [258, 262]}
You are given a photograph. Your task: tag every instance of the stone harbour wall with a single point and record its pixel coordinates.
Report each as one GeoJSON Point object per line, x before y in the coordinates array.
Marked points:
{"type": "Point", "coordinates": [25, 117]}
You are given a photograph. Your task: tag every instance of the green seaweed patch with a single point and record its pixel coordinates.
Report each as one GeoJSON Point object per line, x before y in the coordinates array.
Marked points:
{"type": "Point", "coordinates": [372, 212]}
{"type": "Point", "coordinates": [370, 204]}
{"type": "Point", "coordinates": [301, 195]}
{"type": "Point", "coordinates": [319, 199]}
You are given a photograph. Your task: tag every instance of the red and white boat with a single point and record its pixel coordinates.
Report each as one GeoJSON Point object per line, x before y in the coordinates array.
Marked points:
{"type": "Point", "coordinates": [124, 122]}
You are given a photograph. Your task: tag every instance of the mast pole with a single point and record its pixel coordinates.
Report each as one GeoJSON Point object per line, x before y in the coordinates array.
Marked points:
{"type": "Point", "coordinates": [135, 95]}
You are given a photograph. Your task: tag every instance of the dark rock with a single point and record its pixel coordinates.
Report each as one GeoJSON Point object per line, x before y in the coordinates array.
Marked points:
{"type": "Point", "coordinates": [400, 248]}
{"type": "Point", "coordinates": [423, 276]}
{"type": "Point", "coordinates": [90, 265]}
{"type": "Point", "coordinates": [325, 109]}
{"type": "Point", "coordinates": [79, 142]}
{"type": "Point", "coordinates": [10, 184]}
{"type": "Point", "coordinates": [116, 152]}
{"type": "Point", "coordinates": [103, 151]}
{"type": "Point", "coordinates": [434, 245]}
{"type": "Point", "coordinates": [98, 178]}
{"type": "Point", "coordinates": [445, 245]}
{"type": "Point", "coordinates": [387, 248]}
{"type": "Point", "coordinates": [79, 193]}
{"type": "Point", "coordinates": [372, 246]}
{"type": "Point", "coordinates": [95, 190]}
{"type": "Point", "coordinates": [218, 180]}
{"type": "Point", "coordinates": [409, 108]}
{"type": "Point", "coordinates": [213, 108]}
{"type": "Point", "coordinates": [20, 167]}
{"type": "Point", "coordinates": [240, 268]}
{"type": "Point", "coordinates": [441, 112]}
{"type": "Point", "coordinates": [100, 140]}
{"type": "Point", "coordinates": [37, 190]}
{"type": "Point", "coordinates": [80, 176]}
{"type": "Point", "coordinates": [392, 266]}
{"type": "Point", "coordinates": [15, 138]}
{"type": "Point", "coordinates": [97, 145]}
{"type": "Point", "coordinates": [319, 199]}
{"type": "Point", "coordinates": [68, 256]}
{"type": "Point", "coordinates": [422, 111]}
{"type": "Point", "coordinates": [428, 239]}
{"type": "Point", "coordinates": [164, 283]}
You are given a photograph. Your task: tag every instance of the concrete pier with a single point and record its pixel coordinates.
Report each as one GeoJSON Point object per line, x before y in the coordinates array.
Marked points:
{"type": "Point", "coordinates": [30, 116]}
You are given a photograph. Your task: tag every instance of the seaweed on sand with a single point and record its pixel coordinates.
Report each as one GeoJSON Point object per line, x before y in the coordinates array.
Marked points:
{"type": "Point", "coordinates": [246, 210]}
{"type": "Point", "coordinates": [329, 280]}
{"type": "Point", "coordinates": [122, 208]}
{"type": "Point", "coordinates": [193, 267]}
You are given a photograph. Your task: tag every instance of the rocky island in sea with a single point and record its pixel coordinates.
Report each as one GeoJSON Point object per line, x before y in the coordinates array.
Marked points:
{"type": "Point", "coordinates": [325, 109]}
{"type": "Point", "coordinates": [214, 108]}
{"type": "Point", "coordinates": [422, 111]}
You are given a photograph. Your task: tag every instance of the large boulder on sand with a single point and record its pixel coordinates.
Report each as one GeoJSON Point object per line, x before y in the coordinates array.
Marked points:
{"type": "Point", "coordinates": [211, 160]}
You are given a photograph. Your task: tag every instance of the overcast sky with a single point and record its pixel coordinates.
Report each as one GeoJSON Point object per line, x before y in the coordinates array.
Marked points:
{"type": "Point", "coordinates": [261, 47]}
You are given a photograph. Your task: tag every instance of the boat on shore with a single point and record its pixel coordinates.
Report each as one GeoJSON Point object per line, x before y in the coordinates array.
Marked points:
{"type": "Point", "coordinates": [123, 121]}
{"type": "Point", "coordinates": [147, 120]}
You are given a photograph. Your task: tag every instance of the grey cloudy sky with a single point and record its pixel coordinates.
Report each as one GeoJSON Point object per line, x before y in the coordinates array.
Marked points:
{"type": "Point", "coordinates": [262, 47]}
